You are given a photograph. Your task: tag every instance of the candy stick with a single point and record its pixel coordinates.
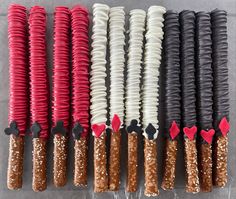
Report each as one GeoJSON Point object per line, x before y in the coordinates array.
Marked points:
{"type": "Point", "coordinates": [61, 93]}
{"type": "Point", "coordinates": [98, 95]}
{"type": "Point", "coordinates": [152, 62]}
{"type": "Point", "coordinates": [172, 95]}
{"type": "Point", "coordinates": [18, 96]}
{"type": "Point", "coordinates": [80, 86]}
{"type": "Point", "coordinates": [117, 59]}
{"type": "Point", "coordinates": [39, 95]}
{"type": "Point", "coordinates": [189, 115]}
{"type": "Point", "coordinates": [220, 95]}
{"type": "Point", "coordinates": [204, 96]}
{"type": "Point", "coordinates": [137, 27]}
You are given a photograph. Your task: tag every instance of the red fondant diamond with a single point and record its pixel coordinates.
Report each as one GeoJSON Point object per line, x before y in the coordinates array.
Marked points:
{"type": "Point", "coordinates": [174, 130]}
{"type": "Point", "coordinates": [98, 129]}
{"type": "Point", "coordinates": [207, 135]}
{"type": "Point", "coordinates": [116, 123]}
{"type": "Point", "coordinates": [190, 132]}
{"type": "Point", "coordinates": [224, 126]}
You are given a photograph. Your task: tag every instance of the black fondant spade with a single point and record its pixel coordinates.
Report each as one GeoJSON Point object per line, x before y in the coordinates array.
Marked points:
{"type": "Point", "coordinates": [150, 130]}
{"type": "Point", "coordinates": [133, 127]}
{"type": "Point", "coordinates": [12, 129]}
{"type": "Point", "coordinates": [35, 129]}
{"type": "Point", "coordinates": [59, 128]}
{"type": "Point", "coordinates": [77, 131]}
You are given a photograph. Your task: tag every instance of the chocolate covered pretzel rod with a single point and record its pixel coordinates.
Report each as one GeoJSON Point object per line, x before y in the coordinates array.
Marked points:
{"type": "Point", "coordinates": [18, 95]}
{"type": "Point", "coordinates": [39, 95]}
{"type": "Point", "coordinates": [220, 96]}
{"type": "Point", "coordinates": [98, 95]}
{"type": "Point", "coordinates": [80, 88]}
{"type": "Point", "coordinates": [61, 93]}
{"type": "Point", "coordinates": [189, 115]}
{"type": "Point", "coordinates": [117, 59]}
{"type": "Point", "coordinates": [171, 46]}
{"type": "Point", "coordinates": [204, 96]}
{"type": "Point", "coordinates": [152, 62]}
{"type": "Point", "coordinates": [132, 106]}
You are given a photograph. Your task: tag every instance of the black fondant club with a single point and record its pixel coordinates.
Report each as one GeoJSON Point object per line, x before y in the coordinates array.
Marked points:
{"type": "Point", "coordinates": [35, 129]}
{"type": "Point", "coordinates": [133, 127]}
{"type": "Point", "coordinates": [59, 128]}
{"type": "Point", "coordinates": [12, 129]}
{"type": "Point", "coordinates": [77, 131]}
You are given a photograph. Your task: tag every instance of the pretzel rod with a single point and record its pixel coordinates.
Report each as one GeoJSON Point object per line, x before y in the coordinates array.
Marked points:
{"type": "Point", "coordinates": [205, 164]}
{"type": "Point", "coordinates": [132, 172]}
{"type": "Point", "coordinates": [150, 167]}
{"type": "Point", "coordinates": [114, 161]}
{"type": "Point", "coordinates": [15, 162]}
{"type": "Point", "coordinates": [170, 165]}
{"type": "Point", "coordinates": [220, 161]}
{"type": "Point", "coordinates": [39, 164]}
{"type": "Point", "coordinates": [81, 153]}
{"type": "Point", "coordinates": [192, 184]}
{"type": "Point", "coordinates": [100, 164]}
{"type": "Point", "coordinates": [60, 156]}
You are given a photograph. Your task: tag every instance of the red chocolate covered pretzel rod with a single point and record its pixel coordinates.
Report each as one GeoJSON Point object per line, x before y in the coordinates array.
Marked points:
{"type": "Point", "coordinates": [18, 95]}
{"type": "Point", "coordinates": [39, 95]}
{"type": "Point", "coordinates": [80, 88]}
{"type": "Point", "coordinates": [61, 93]}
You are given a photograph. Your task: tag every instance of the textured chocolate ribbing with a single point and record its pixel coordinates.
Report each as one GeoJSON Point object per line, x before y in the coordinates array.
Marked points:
{"type": "Point", "coordinates": [204, 95]}
{"type": "Point", "coordinates": [187, 26]}
{"type": "Point", "coordinates": [171, 46]}
{"type": "Point", "coordinates": [220, 94]}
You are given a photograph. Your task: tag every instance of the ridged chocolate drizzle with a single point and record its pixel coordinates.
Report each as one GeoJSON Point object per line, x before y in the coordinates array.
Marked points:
{"type": "Point", "coordinates": [220, 69]}
{"type": "Point", "coordinates": [171, 47]}
{"type": "Point", "coordinates": [204, 71]}
{"type": "Point", "coordinates": [187, 27]}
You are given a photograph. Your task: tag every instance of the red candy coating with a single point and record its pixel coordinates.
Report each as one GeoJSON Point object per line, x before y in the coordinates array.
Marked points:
{"type": "Point", "coordinates": [224, 126]}
{"type": "Point", "coordinates": [80, 71]}
{"type": "Point", "coordinates": [61, 71]}
{"type": "Point", "coordinates": [38, 69]}
{"type": "Point", "coordinates": [207, 135]}
{"type": "Point", "coordinates": [18, 69]}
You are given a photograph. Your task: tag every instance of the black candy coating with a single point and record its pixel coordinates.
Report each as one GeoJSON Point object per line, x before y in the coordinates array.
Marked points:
{"type": "Point", "coordinates": [220, 69]}
{"type": "Point", "coordinates": [204, 71]}
{"type": "Point", "coordinates": [171, 53]}
{"type": "Point", "coordinates": [188, 91]}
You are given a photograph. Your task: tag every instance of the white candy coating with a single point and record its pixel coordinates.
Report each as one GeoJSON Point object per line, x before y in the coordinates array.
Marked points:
{"type": "Point", "coordinates": [98, 69]}
{"type": "Point", "coordinates": [152, 61]}
{"type": "Point", "coordinates": [135, 53]}
{"type": "Point", "coordinates": [117, 59]}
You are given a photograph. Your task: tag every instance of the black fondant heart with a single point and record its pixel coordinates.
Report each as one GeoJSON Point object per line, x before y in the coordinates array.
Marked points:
{"type": "Point", "coordinates": [150, 130]}
{"type": "Point", "coordinates": [59, 128]}
{"type": "Point", "coordinates": [133, 127]}
{"type": "Point", "coordinates": [12, 129]}
{"type": "Point", "coordinates": [77, 131]}
{"type": "Point", "coordinates": [35, 129]}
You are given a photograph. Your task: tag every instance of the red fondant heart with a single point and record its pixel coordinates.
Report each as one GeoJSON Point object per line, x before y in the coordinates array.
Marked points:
{"type": "Point", "coordinates": [190, 132]}
{"type": "Point", "coordinates": [207, 135]}
{"type": "Point", "coordinates": [224, 126]}
{"type": "Point", "coordinates": [174, 130]}
{"type": "Point", "coordinates": [116, 123]}
{"type": "Point", "coordinates": [98, 129]}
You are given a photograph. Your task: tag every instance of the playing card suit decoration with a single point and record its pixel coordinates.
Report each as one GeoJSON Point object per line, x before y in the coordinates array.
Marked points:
{"type": "Point", "coordinates": [77, 131]}
{"type": "Point", "coordinates": [115, 124]}
{"type": "Point", "coordinates": [133, 127]}
{"type": "Point", "coordinates": [174, 130]}
{"type": "Point", "coordinates": [59, 128]}
{"type": "Point", "coordinates": [98, 129]}
{"type": "Point", "coordinates": [207, 135]}
{"type": "Point", "coordinates": [150, 130]}
{"type": "Point", "coordinates": [12, 129]}
{"type": "Point", "coordinates": [224, 126]}
{"type": "Point", "coordinates": [35, 129]}
{"type": "Point", "coordinates": [190, 132]}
